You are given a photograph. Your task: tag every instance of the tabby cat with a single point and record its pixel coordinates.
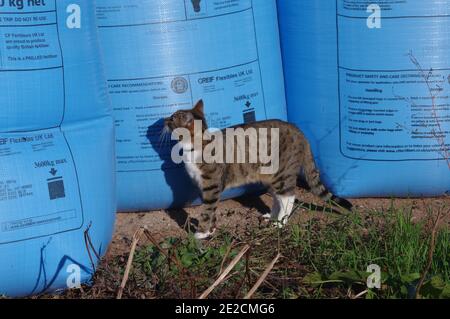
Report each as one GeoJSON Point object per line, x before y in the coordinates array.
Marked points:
{"type": "Point", "coordinates": [295, 156]}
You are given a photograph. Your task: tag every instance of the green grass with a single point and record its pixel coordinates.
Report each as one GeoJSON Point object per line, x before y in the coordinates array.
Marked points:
{"type": "Point", "coordinates": [321, 259]}
{"type": "Point", "coordinates": [343, 249]}
{"type": "Point", "coordinates": [190, 268]}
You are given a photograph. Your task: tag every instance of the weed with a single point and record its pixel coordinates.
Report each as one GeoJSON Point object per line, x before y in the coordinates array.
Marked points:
{"type": "Point", "coordinates": [321, 258]}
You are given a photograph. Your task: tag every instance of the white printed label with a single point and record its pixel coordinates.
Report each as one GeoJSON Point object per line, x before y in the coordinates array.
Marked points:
{"type": "Point", "coordinates": [39, 193]}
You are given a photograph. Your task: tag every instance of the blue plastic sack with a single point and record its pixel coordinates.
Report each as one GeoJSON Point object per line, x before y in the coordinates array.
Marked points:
{"type": "Point", "coordinates": [57, 184]}
{"type": "Point", "coordinates": [369, 83]}
{"type": "Point", "coordinates": [49, 64]}
{"type": "Point", "coordinates": [161, 56]}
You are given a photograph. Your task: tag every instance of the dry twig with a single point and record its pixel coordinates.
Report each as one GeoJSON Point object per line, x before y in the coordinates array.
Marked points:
{"type": "Point", "coordinates": [225, 272]}
{"type": "Point", "coordinates": [263, 277]}
{"type": "Point", "coordinates": [89, 246]}
{"type": "Point", "coordinates": [430, 254]}
{"type": "Point", "coordinates": [227, 254]}
{"type": "Point", "coordinates": [136, 237]}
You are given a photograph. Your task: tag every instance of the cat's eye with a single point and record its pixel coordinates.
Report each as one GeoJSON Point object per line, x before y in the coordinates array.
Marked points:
{"type": "Point", "coordinates": [181, 116]}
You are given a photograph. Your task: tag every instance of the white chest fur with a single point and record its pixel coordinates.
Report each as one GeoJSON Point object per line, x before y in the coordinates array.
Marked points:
{"type": "Point", "coordinates": [191, 158]}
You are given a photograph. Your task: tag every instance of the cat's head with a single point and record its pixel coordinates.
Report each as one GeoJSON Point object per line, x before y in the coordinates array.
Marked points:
{"type": "Point", "coordinates": [196, 4]}
{"type": "Point", "coordinates": [186, 119]}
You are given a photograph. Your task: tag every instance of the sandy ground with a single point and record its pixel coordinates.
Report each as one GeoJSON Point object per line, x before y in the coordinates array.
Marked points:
{"type": "Point", "coordinates": [239, 215]}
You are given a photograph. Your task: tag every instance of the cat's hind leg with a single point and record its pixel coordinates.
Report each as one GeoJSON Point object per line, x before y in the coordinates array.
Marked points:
{"type": "Point", "coordinates": [276, 208]}
{"type": "Point", "coordinates": [286, 207]}
{"type": "Point", "coordinates": [284, 197]}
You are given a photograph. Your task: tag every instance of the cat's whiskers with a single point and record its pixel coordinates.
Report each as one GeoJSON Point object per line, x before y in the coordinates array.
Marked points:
{"type": "Point", "coordinates": [164, 136]}
{"type": "Point", "coordinates": [168, 136]}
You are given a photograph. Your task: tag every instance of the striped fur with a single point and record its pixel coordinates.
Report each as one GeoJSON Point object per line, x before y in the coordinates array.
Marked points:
{"type": "Point", "coordinates": [295, 156]}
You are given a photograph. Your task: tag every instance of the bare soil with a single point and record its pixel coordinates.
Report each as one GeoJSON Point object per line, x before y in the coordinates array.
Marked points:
{"type": "Point", "coordinates": [239, 215]}
{"type": "Point", "coordinates": [240, 218]}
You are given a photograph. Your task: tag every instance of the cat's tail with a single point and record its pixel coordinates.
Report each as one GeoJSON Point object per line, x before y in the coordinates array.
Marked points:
{"type": "Point", "coordinates": [312, 176]}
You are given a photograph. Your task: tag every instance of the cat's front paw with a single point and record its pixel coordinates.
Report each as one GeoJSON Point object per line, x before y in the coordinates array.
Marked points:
{"type": "Point", "coordinates": [204, 235]}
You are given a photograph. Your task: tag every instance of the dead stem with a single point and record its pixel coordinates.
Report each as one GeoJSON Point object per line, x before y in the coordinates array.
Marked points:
{"type": "Point", "coordinates": [136, 237]}
{"type": "Point", "coordinates": [263, 277]}
{"type": "Point", "coordinates": [225, 272]}
{"type": "Point", "coordinates": [430, 254]}
{"type": "Point", "coordinates": [227, 254]}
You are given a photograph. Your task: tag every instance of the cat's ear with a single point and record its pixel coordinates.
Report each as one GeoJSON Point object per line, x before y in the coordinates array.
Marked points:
{"type": "Point", "coordinates": [198, 108]}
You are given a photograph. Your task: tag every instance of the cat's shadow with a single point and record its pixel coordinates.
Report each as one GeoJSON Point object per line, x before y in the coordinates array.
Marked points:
{"type": "Point", "coordinates": [181, 217]}
{"type": "Point", "coordinates": [184, 191]}
{"type": "Point", "coordinates": [254, 202]}
{"type": "Point", "coordinates": [190, 225]}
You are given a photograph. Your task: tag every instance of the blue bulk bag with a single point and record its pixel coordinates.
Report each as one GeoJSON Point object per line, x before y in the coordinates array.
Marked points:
{"type": "Point", "coordinates": [49, 64]}
{"type": "Point", "coordinates": [369, 83]}
{"type": "Point", "coordinates": [57, 184]}
{"type": "Point", "coordinates": [161, 56]}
